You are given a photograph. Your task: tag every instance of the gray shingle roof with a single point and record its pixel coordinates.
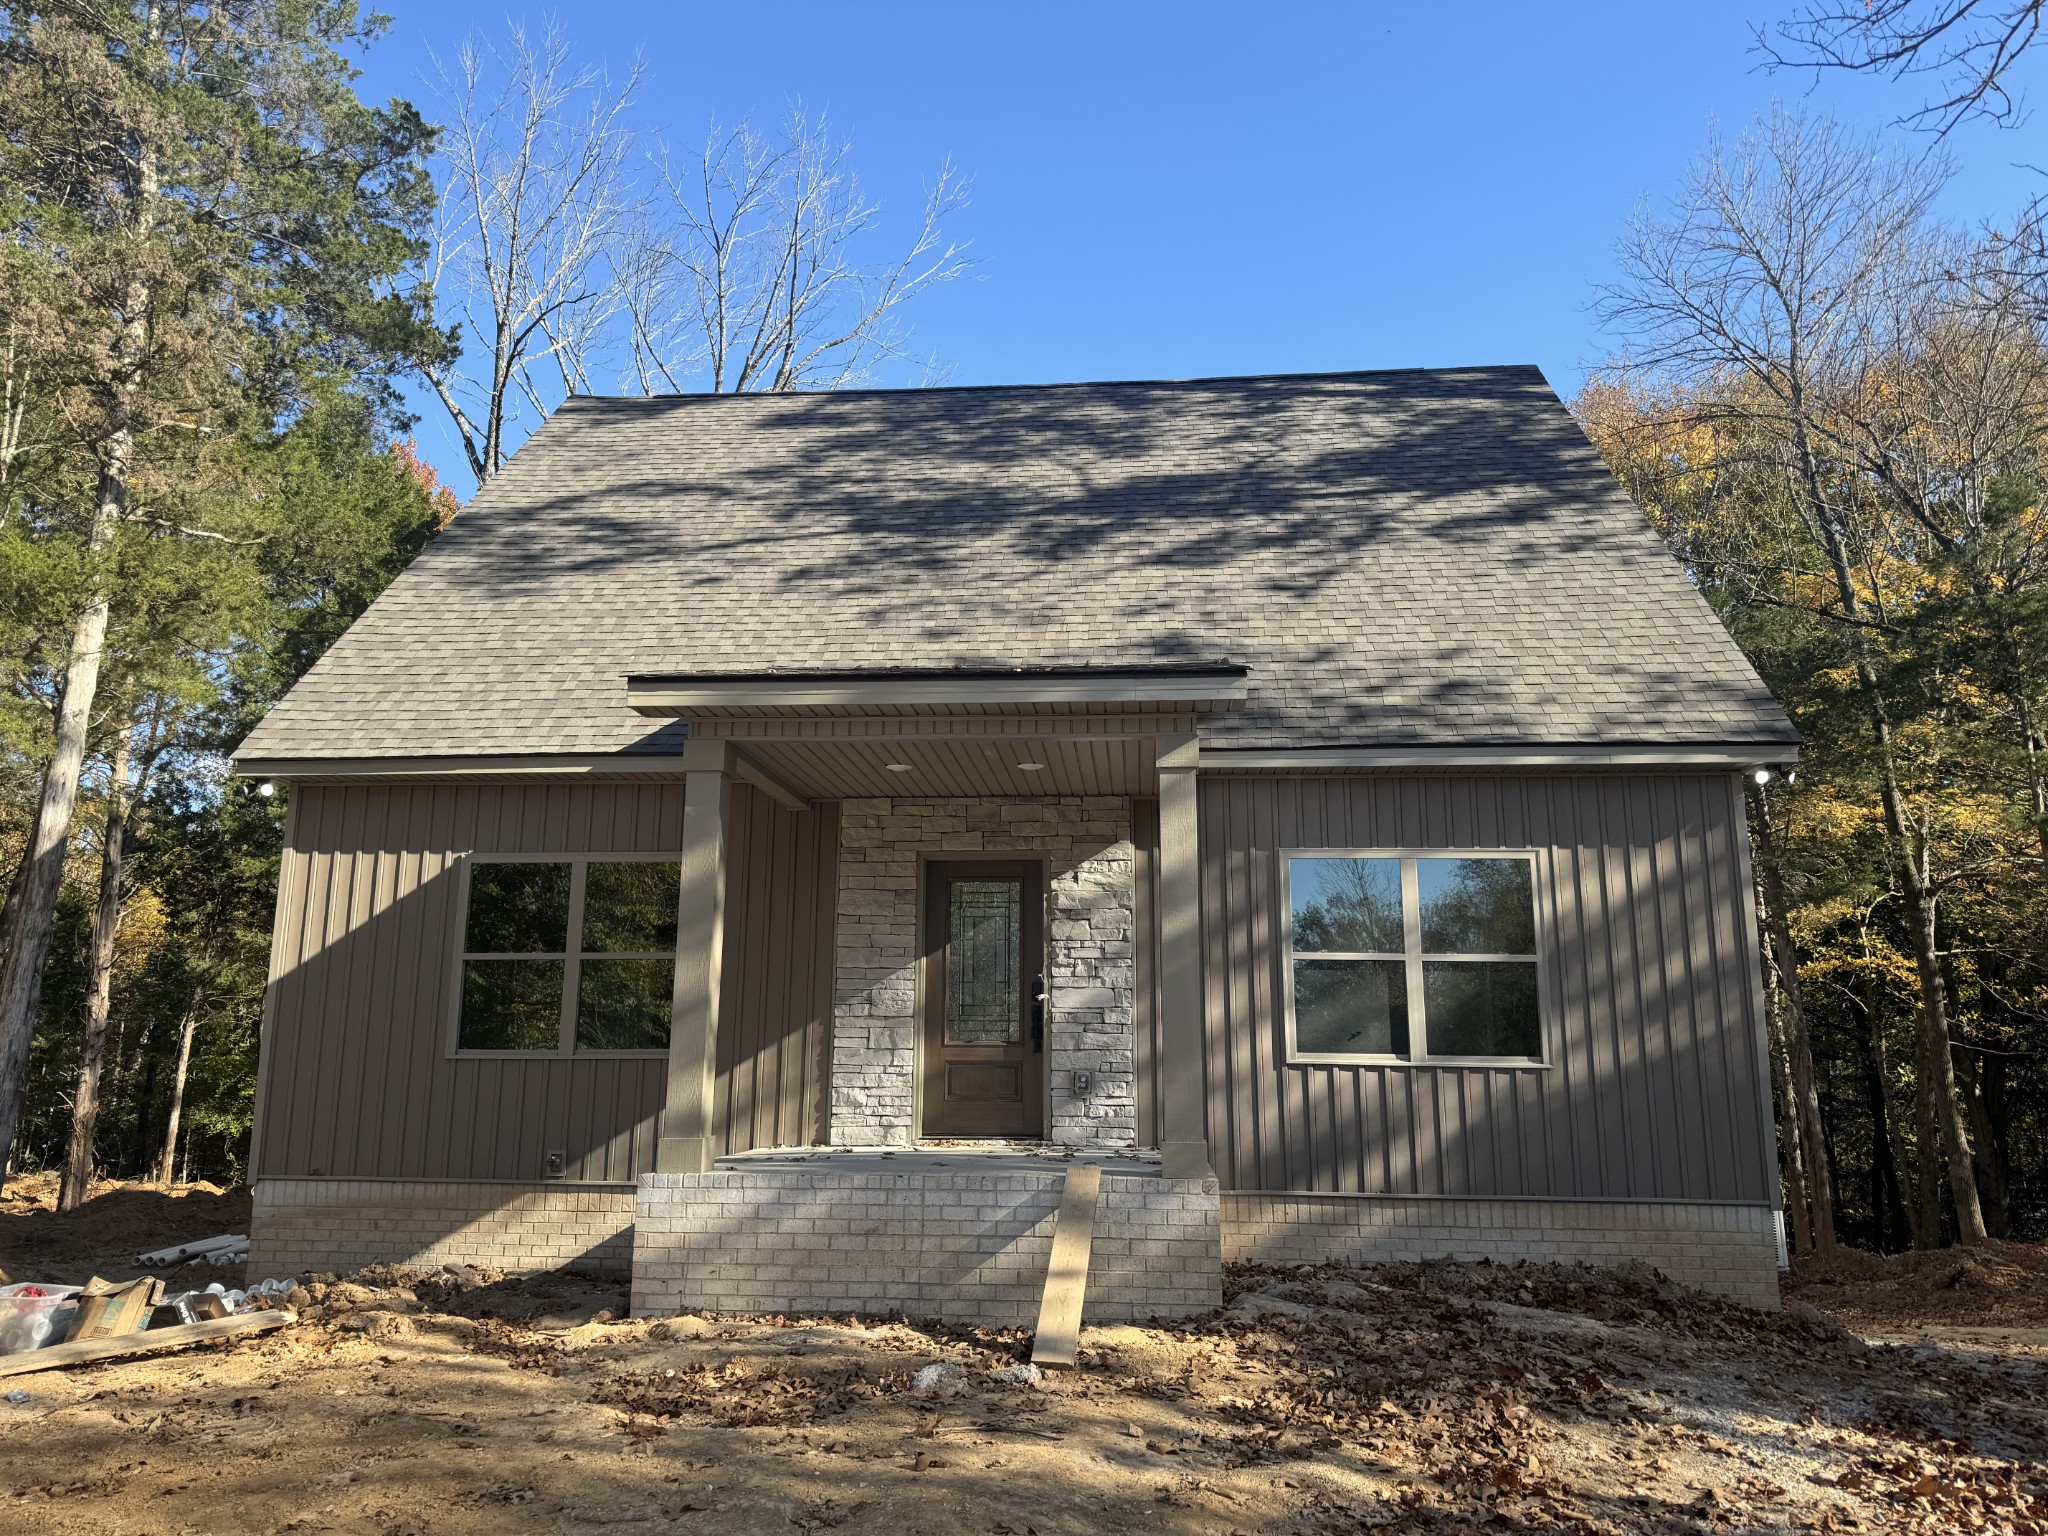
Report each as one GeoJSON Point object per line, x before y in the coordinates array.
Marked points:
{"type": "Point", "coordinates": [1414, 557]}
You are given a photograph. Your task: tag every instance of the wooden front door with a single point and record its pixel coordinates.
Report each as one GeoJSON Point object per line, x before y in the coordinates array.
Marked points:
{"type": "Point", "coordinates": [984, 1021]}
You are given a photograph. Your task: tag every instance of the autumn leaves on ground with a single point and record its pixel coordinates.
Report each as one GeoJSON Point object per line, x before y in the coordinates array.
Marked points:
{"type": "Point", "coordinates": [1436, 1398]}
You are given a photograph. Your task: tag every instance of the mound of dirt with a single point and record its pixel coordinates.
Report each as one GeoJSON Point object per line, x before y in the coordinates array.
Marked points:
{"type": "Point", "coordinates": [1998, 1285]}
{"type": "Point", "coordinates": [103, 1236]}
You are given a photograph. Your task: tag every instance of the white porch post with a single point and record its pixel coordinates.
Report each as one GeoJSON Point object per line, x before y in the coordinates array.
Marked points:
{"type": "Point", "coordinates": [1183, 1123]}
{"type": "Point", "coordinates": [686, 1143]}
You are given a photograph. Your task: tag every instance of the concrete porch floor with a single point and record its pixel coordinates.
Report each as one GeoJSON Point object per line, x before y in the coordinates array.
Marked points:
{"type": "Point", "coordinates": [1039, 1157]}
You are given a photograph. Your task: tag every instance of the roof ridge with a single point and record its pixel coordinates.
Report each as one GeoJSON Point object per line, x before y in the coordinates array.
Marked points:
{"type": "Point", "coordinates": [1056, 384]}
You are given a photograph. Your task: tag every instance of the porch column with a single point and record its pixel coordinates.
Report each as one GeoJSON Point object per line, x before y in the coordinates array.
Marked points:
{"type": "Point", "coordinates": [1183, 1127]}
{"type": "Point", "coordinates": [686, 1144]}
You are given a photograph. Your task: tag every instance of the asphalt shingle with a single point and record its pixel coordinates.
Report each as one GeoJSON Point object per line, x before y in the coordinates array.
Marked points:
{"type": "Point", "coordinates": [1414, 557]}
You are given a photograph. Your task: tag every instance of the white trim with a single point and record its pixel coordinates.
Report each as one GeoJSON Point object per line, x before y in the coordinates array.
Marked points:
{"type": "Point", "coordinates": [1412, 959]}
{"type": "Point", "coordinates": [572, 959]}
{"type": "Point", "coordinates": [681, 695]}
{"type": "Point", "coordinates": [574, 765]}
{"type": "Point", "coordinates": [1323, 759]}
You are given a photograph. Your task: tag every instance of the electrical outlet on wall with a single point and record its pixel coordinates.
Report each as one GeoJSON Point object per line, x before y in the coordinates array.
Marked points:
{"type": "Point", "coordinates": [558, 1165]}
{"type": "Point", "coordinates": [1083, 1081]}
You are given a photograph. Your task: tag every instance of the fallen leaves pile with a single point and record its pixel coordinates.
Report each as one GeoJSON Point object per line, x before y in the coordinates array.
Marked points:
{"type": "Point", "coordinates": [1428, 1398]}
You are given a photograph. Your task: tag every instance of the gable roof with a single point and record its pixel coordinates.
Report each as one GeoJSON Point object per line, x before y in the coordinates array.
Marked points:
{"type": "Point", "coordinates": [1419, 557]}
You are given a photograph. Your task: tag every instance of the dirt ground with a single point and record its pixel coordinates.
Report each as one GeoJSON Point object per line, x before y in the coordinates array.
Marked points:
{"type": "Point", "coordinates": [1423, 1398]}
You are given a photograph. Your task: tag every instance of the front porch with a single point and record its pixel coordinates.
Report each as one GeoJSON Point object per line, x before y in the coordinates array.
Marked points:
{"type": "Point", "coordinates": [933, 777]}
{"type": "Point", "coordinates": [1014, 953]}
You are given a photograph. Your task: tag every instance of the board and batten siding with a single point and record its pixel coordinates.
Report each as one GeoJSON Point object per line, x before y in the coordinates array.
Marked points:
{"type": "Point", "coordinates": [357, 1080]}
{"type": "Point", "coordinates": [1656, 1087]}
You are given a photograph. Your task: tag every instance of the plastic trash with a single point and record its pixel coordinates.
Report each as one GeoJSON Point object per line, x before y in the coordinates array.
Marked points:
{"type": "Point", "coordinates": [17, 1397]}
{"type": "Point", "coordinates": [34, 1315]}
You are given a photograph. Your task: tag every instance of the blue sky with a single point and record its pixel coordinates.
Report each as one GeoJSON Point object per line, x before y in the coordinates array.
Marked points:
{"type": "Point", "coordinates": [1174, 190]}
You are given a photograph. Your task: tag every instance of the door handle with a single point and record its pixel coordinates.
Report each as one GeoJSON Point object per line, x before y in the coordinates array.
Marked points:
{"type": "Point", "coordinates": [1038, 1013]}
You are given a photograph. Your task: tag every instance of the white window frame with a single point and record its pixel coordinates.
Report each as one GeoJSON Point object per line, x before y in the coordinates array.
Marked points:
{"type": "Point", "coordinates": [572, 960]}
{"type": "Point", "coordinates": [1412, 959]}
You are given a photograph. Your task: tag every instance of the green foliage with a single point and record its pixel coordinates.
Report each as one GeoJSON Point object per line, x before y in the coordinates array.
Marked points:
{"type": "Point", "coordinates": [210, 167]}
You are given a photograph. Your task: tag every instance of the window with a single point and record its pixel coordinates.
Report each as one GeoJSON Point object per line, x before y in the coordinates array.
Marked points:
{"type": "Point", "coordinates": [1413, 957]}
{"type": "Point", "coordinates": [568, 956]}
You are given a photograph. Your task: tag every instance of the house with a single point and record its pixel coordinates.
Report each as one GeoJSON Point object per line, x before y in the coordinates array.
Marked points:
{"type": "Point", "coordinates": [766, 839]}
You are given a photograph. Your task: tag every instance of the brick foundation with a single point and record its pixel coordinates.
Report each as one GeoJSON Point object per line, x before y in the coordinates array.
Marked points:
{"type": "Point", "coordinates": [1729, 1249]}
{"type": "Point", "coordinates": [336, 1225]}
{"type": "Point", "coordinates": [967, 1247]}
{"type": "Point", "coordinates": [1090, 980]}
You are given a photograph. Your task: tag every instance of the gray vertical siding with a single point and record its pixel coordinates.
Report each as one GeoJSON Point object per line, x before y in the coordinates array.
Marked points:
{"type": "Point", "coordinates": [1650, 996]}
{"type": "Point", "coordinates": [356, 1078]}
{"type": "Point", "coordinates": [775, 1014]}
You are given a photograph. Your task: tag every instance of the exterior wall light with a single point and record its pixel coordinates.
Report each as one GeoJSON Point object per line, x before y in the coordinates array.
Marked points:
{"type": "Point", "coordinates": [266, 789]}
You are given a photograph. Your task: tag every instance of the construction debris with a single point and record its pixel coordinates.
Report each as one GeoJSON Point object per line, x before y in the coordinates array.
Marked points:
{"type": "Point", "coordinates": [229, 1248]}
{"type": "Point", "coordinates": [48, 1325]}
{"type": "Point", "coordinates": [152, 1341]}
{"type": "Point", "coordinates": [34, 1315]}
{"type": "Point", "coordinates": [108, 1308]}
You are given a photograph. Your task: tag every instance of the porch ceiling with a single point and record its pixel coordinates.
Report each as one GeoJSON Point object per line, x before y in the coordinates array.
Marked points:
{"type": "Point", "coordinates": [959, 766]}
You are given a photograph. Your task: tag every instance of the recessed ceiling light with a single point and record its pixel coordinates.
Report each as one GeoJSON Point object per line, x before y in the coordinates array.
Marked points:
{"type": "Point", "coordinates": [899, 767]}
{"type": "Point", "coordinates": [1031, 767]}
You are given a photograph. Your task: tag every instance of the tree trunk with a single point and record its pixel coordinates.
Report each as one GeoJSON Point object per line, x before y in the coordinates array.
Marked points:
{"type": "Point", "coordinates": [1887, 1199]}
{"type": "Point", "coordinates": [1926, 1151]}
{"type": "Point", "coordinates": [1982, 1081]}
{"type": "Point", "coordinates": [1791, 1157]}
{"type": "Point", "coordinates": [1805, 1092]}
{"type": "Point", "coordinates": [106, 923]}
{"type": "Point", "coordinates": [1937, 1059]}
{"type": "Point", "coordinates": [168, 1164]}
{"type": "Point", "coordinates": [34, 923]}
{"type": "Point", "coordinates": [140, 1156]}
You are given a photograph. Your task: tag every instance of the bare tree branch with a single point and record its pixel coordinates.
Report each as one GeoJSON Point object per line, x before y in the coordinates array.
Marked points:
{"type": "Point", "coordinates": [760, 281]}
{"type": "Point", "coordinates": [1969, 46]}
{"type": "Point", "coordinates": [537, 198]}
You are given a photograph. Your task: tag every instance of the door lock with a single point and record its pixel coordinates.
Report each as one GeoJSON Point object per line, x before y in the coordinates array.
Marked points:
{"type": "Point", "coordinates": [1038, 1013]}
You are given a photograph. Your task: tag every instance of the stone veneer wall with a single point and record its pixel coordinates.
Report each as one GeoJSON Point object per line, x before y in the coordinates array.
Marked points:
{"type": "Point", "coordinates": [336, 1225]}
{"type": "Point", "coordinates": [967, 1247]}
{"type": "Point", "coordinates": [1090, 933]}
{"type": "Point", "coordinates": [1730, 1249]}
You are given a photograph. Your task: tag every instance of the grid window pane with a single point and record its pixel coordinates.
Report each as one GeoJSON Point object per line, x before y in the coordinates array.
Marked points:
{"type": "Point", "coordinates": [629, 908]}
{"type": "Point", "coordinates": [511, 1005]}
{"type": "Point", "coordinates": [1351, 1007]}
{"type": "Point", "coordinates": [623, 1005]}
{"type": "Point", "coordinates": [1346, 904]}
{"type": "Point", "coordinates": [518, 909]}
{"type": "Point", "coordinates": [1476, 907]}
{"type": "Point", "coordinates": [1482, 1008]}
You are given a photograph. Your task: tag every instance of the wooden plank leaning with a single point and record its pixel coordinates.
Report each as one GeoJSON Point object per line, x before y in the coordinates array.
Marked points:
{"type": "Point", "coordinates": [82, 1351]}
{"type": "Point", "coordinates": [1066, 1272]}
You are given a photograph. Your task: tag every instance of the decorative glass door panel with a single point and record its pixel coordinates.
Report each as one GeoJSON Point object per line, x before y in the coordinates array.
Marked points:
{"type": "Point", "coordinates": [984, 981]}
